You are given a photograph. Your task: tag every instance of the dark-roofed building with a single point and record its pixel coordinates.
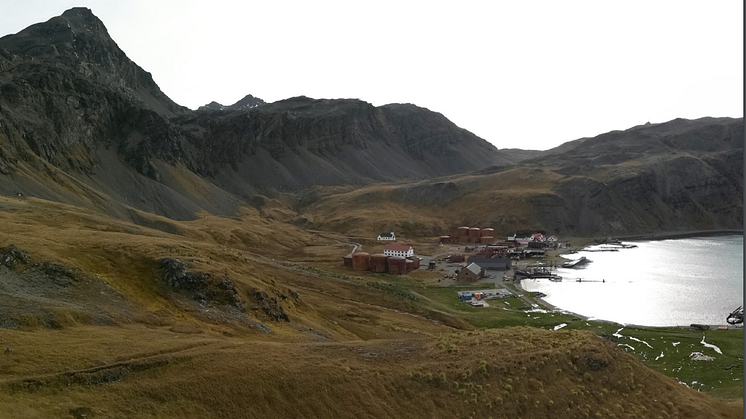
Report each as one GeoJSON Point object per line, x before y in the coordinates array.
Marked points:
{"type": "Point", "coordinates": [387, 237]}
{"type": "Point", "coordinates": [471, 273]}
{"type": "Point", "coordinates": [491, 263]}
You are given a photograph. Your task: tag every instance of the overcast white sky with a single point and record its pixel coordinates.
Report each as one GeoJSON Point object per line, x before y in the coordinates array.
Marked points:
{"type": "Point", "coordinates": [523, 74]}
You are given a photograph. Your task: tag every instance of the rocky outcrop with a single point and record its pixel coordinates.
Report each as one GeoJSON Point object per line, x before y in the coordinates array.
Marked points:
{"type": "Point", "coordinates": [201, 287]}
{"type": "Point", "coordinates": [13, 257]}
{"type": "Point", "coordinates": [270, 306]}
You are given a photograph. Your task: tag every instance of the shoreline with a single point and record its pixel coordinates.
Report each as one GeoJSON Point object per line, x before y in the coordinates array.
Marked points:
{"type": "Point", "coordinates": [679, 235]}
{"type": "Point", "coordinates": [551, 307]}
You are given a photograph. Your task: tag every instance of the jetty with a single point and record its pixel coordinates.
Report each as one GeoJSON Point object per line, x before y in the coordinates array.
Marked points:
{"type": "Point", "coordinates": [537, 273]}
{"type": "Point", "coordinates": [574, 263]}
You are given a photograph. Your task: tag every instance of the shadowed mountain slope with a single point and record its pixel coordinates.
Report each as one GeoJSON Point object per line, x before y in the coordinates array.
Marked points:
{"type": "Point", "coordinates": [82, 124]}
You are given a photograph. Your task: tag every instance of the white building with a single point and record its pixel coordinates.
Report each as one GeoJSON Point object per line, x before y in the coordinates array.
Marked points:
{"type": "Point", "coordinates": [396, 249]}
{"type": "Point", "coordinates": [387, 237]}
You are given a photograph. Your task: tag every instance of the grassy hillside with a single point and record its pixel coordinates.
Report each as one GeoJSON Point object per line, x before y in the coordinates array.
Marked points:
{"type": "Point", "coordinates": [116, 340]}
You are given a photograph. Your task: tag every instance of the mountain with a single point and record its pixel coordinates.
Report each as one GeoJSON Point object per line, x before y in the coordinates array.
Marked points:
{"type": "Point", "coordinates": [83, 124]}
{"type": "Point", "coordinates": [161, 262]}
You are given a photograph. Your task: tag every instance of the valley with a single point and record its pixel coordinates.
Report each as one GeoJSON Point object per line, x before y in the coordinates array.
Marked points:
{"type": "Point", "coordinates": [160, 262]}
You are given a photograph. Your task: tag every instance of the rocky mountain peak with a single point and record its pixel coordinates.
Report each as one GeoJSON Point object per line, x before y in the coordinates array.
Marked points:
{"type": "Point", "coordinates": [75, 49]}
{"type": "Point", "coordinates": [77, 33]}
{"type": "Point", "coordinates": [248, 102]}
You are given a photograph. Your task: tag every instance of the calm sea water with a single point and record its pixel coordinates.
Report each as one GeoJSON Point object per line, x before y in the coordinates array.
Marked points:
{"type": "Point", "coordinates": [659, 283]}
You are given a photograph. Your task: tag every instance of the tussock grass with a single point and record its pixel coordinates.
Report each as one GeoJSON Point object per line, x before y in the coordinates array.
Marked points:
{"type": "Point", "coordinates": [348, 350]}
{"type": "Point", "coordinates": [216, 376]}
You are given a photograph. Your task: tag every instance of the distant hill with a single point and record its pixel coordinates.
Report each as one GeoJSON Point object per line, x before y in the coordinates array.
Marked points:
{"type": "Point", "coordinates": [676, 176]}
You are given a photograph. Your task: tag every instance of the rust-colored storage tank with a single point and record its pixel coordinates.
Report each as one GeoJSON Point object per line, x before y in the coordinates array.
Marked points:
{"type": "Point", "coordinates": [409, 265]}
{"type": "Point", "coordinates": [397, 265]}
{"type": "Point", "coordinates": [445, 239]}
{"type": "Point", "coordinates": [474, 235]}
{"type": "Point", "coordinates": [463, 234]}
{"type": "Point", "coordinates": [488, 232]}
{"type": "Point", "coordinates": [416, 263]}
{"type": "Point", "coordinates": [486, 239]}
{"type": "Point", "coordinates": [378, 263]}
{"type": "Point", "coordinates": [361, 261]}
{"type": "Point", "coordinates": [347, 260]}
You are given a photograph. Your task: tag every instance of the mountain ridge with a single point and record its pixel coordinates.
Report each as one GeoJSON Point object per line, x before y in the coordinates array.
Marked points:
{"type": "Point", "coordinates": [81, 123]}
{"type": "Point", "coordinates": [74, 108]}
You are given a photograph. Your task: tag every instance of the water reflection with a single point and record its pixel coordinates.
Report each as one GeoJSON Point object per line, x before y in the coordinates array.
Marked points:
{"type": "Point", "coordinates": [658, 283]}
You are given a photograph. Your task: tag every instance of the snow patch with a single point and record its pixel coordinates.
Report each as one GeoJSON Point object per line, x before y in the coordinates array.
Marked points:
{"type": "Point", "coordinates": [709, 345]}
{"type": "Point", "coordinates": [560, 326]}
{"type": "Point", "coordinates": [641, 341]}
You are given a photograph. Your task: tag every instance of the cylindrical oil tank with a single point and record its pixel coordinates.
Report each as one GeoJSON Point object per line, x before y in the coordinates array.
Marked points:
{"type": "Point", "coordinates": [474, 234]}
{"type": "Point", "coordinates": [378, 263]}
{"type": "Point", "coordinates": [462, 235]}
{"type": "Point", "coordinates": [488, 232]}
{"type": "Point", "coordinates": [347, 260]}
{"type": "Point", "coordinates": [445, 239]}
{"type": "Point", "coordinates": [486, 239]}
{"type": "Point", "coordinates": [416, 263]}
{"type": "Point", "coordinates": [409, 265]}
{"type": "Point", "coordinates": [397, 265]}
{"type": "Point", "coordinates": [361, 261]}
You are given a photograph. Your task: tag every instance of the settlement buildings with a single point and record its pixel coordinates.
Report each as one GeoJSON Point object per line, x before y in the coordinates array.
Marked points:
{"type": "Point", "coordinates": [396, 249]}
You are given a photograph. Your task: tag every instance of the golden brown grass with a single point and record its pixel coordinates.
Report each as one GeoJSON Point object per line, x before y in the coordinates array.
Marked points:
{"type": "Point", "coordinates": [515, 372]}
{"type": "Point", "coordinates": [350, 350]}
{"type": "Point", "coordinates": [485, 200]}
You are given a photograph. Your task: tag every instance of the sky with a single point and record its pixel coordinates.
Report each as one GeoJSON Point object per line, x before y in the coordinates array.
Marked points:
{"type": "Point", "coordinates": [520, 74]}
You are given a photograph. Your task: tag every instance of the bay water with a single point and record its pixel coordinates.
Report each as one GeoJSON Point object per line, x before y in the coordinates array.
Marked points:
{"type": "Point", "coordinates": [658, 283]}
